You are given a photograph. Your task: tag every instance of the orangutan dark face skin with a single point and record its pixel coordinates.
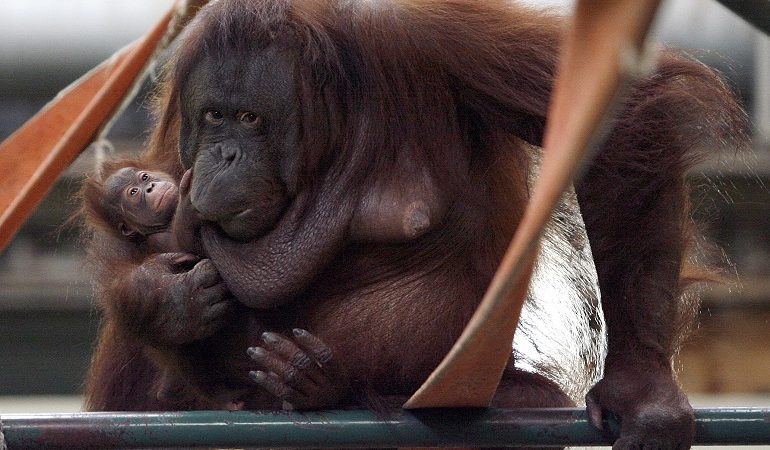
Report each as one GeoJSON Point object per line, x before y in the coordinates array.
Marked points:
{"type": "Point", "coordinates": [142, 201]}
{"type": "Point", "coordinates": [239, 142]}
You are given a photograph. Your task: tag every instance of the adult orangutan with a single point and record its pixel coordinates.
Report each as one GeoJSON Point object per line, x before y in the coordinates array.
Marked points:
{"type": "Point", "coordinates": [360, 168]}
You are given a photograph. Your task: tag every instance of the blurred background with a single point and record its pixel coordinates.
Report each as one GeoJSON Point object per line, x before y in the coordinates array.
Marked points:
{"type": "Point", "coordinates": [47, 320]}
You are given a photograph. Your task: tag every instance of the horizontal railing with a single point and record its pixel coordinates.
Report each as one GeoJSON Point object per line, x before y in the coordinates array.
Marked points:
{"type": "Point", "coordinates": [355, 428]}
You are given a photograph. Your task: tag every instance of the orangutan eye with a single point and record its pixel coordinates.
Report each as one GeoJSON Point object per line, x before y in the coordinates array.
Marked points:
{"type": "Point", "coordinates": [144, 176]}
{"type": "Point", "coordinates": [133, 191]}
{"type": "Point", "coordinates": [250, 119]}
{"type": "Point", "coordinates": [214, 117]}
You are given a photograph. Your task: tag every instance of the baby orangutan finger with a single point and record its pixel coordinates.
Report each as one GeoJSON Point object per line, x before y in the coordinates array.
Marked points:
{"type": "Point", "coordinates": [205, 274]}
{"type": "Point", "coordinates": [185, 182]}
{"type": "Point", "coordinates": [213, 295]}
{"type": "Point", "coordinates": [290, 375]}
{"type": "Point", "coordinates": [173, 262]}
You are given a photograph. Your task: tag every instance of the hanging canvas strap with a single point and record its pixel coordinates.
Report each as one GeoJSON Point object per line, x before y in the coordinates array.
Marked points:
{"type": "Point", "coordinates": [36, 154]}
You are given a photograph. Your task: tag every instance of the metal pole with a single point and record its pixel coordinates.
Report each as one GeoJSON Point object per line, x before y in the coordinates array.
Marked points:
{"type": "Point", "coordinates": [762, 89]}
{"type": "Point", "coordinates": [341, 429]}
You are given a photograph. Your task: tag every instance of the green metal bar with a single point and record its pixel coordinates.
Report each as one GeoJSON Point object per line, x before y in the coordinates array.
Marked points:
{"type": "Point", "coordinates": [345, 429]}
{"type": "Point", "coordinates": [756, 12]}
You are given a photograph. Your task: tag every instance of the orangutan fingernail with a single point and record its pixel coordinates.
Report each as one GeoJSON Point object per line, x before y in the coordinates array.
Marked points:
{"type": "Point", "coordinates": [256, 351]}
{"type": "Point", "coordinates": [270, 338]}
{"type": "Point", "coordinates": [257, 375]}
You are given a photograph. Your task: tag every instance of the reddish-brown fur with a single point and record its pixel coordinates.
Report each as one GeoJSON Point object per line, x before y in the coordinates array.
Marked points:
{"type": "Point", "coordinates": [111, 253]}
{"type": "Point", "coordinates": [167, 379]}
{"type": "Point", "coordinates": [472, 77]}
{"type": "Point", "coordinates": [169, 345]}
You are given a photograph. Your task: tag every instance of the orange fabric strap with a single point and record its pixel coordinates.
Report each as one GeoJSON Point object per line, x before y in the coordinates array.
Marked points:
{"type": "Point", "coordinates": [36, 154]}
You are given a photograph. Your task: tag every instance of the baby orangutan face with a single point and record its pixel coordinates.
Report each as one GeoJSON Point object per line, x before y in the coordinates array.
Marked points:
{"type": "Point", "coordinates": [143, 202]}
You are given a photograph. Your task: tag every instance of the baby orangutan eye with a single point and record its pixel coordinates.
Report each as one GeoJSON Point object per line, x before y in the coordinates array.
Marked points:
{"type": "Point", "coordinates": [133, 191]}
{"type": "Point", "coordinates": [214, 117]}
{"type": "Point", "coordinates": [144, 176]}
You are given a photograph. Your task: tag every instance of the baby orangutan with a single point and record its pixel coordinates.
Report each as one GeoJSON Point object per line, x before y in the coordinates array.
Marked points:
{"type": "Point", "coordinates": [141, 205]}
{"type": "Point", "coordinates": [146, 214]}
